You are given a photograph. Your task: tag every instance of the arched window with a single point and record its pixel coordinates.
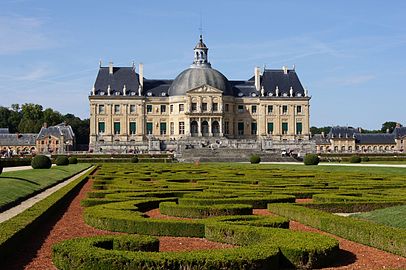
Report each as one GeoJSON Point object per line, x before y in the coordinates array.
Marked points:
{"type": "Point", "coordinates": [343, 148]}
{"type": "Point", "coordinates": [350, 148]}
{"type": "Point", "coordinates": [335, 148]}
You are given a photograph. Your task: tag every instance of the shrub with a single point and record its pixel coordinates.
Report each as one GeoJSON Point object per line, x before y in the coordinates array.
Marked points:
{"type": "Point", "coordinates": [41, 162]}
{"type": "Point", "coordinates": [134, 160]}
{"type": "Point", "coordinates": [355, 159]}
{"type": "Point", "coordinates": [311, 159]}
{"type": "Point", "coordinates": [1, 169]}
{"type": "Point", "coordinates": [255, 159]}
{"type": "Point", "coordinates": [73, 160]}
{"type": "Point", "coordinates": [365, 159]}
{"type": "Point", "coordinates": [62, 161]}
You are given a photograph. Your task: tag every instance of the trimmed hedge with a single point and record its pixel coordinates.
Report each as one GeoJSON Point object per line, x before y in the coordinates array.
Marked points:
{"type": "Point", "coordinates": [15, 162]}
{"type": "Point", "coordinates": [311, 159]}
{"type": "Point", "coordinates": [375, 235]}
{"type": "Point", "coordinates": [355, 159]}
{"type": "Point", "coordinates": [260, 248]}
{"type": "Point", "coordinates": [21, 227]}
{"type": "Point", "coordinates": [256, 221]}
{"type": "Point", "coordinates": [134, 160]}
{"type": "Point", "coordinates": [41, 162]}
{"type": "Point", "coordinates": [193, 211]}
{"type": "Point", "coordinates": [62, 161]}
{"type": "Point", "coordinates": [255, 159]}
{"type": "Point", "coordinates": [260, 202]}
{"type": "Point", "coordinates": [73, 160]}
{"type": "Point", "coordinates": [351, 207]}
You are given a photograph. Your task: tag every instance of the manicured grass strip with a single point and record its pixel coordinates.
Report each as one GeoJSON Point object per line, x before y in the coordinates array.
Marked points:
{"type": "Point", "coordinates": [392, 216]}
{"type": "Point", "coordinates": [18, 229]}
{"type": "Point", "coordinates": [351, 207]}
{"type": "Point", "coordinates": [375, 235]}
{"type": "Point", "coordinates": [19, 185]}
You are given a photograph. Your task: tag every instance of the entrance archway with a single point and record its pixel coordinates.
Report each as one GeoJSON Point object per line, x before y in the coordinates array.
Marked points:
{"type": "Point", "coordinates": [193, 128]}
{"type": "Point", "coordinates": [215, 128]}
{"type": "Point", "coordinates": [205, 128]}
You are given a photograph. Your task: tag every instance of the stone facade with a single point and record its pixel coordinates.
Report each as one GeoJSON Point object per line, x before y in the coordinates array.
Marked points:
{"type": "Point", "coordinates": [126, 109]}
{"type": "Point", "coordinates": [350, 140]}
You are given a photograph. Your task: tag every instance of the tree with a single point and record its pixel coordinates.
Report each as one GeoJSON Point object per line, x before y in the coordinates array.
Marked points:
{"type": "Point", "coordinates": [389, 125]}
{"type": "Point", "coordinates": [52, 117]}
{"type": "Point", "coordinates": [32, 118]}
{"type": "Point", "coordinates": [316, 130]}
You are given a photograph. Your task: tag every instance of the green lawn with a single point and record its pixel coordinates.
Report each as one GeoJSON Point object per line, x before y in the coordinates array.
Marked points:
{"type": "Point", "coordinates": [20, 184]}
{"type": "Point", "coordinates": [392, 216]}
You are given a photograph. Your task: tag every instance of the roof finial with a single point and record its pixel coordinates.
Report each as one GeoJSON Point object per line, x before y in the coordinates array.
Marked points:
{"type": "Point", "coordinates": [201, 26]}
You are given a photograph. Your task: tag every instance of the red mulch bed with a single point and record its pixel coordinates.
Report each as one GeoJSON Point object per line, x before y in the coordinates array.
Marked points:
{"type": "Point", "coordinates": [353, 255]}
{"type": "Point", "coordinates": [307, 200]}
{"type": "Point", "coordinates": [36, 252]}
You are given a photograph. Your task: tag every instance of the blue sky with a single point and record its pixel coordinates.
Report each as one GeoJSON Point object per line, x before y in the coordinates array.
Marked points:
{"type": "Point", "coordinates": [351, 55]}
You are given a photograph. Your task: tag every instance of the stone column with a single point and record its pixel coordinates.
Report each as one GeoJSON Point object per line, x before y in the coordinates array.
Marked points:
{"type": "Point", "coordinates": [199, 126]}
{"type": "Point", "coordinates": [221, 127]}
{"type": "Point", "coordinates": [210, 130]}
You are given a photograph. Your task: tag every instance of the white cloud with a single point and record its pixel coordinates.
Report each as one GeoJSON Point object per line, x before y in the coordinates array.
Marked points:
{"type": "Point", "coordinates": [19, 34]}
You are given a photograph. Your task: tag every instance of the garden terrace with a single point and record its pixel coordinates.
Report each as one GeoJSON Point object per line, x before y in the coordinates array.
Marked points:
{"type": "Point", "coordinates": [124, 194]}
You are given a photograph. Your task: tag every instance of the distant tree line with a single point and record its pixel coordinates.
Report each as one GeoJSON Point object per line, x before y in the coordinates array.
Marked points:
{"type": "Point", "coordinates": [387, 126]}
{"type": "Point", "coordinates": [29, 118]}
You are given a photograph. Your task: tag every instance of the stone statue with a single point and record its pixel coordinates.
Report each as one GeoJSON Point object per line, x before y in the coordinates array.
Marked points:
{"type": "Point", "coordinates": [139, 90]}
{"type": "Point", "coordinates": [262, 91]}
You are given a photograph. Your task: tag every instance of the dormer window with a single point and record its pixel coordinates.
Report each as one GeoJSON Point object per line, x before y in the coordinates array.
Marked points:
{"type": "Point", "coordinates": [285, 94]}
{"type": "Point", "coordinates": [253, 94]}
{"type": "Point", "coordinates": [133, 94]}
{"type": "Point", "coordinates": [116, 93]}
{"type": "Point", "coordinates": [101, 93]}
{"type": "Point", "coordinates": [270, 94]}
{"type": "Point", "coordinates": [149, 94]}
{"type": "Point", "coordinates": [240, 94]}
{"type": "Point", "coordinates": [163, 94]}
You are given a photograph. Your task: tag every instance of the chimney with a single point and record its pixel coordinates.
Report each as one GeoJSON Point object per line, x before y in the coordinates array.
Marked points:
{"type": "Point", "coordinates": [111, 68]}
{"type": "Point", "coordinates": [285, 70]}
{"type": "Point", "coordinates": [45, 125]}
{"type": "Point", "coordinates": [322, 134]}
{"type": "Point", "coordinates": [397, 125]}
{"type": "Point", "coordinates": [257, 74]}
{"type": "Point", "coordinates": [387, 130]}
{"type": "Point", "coordinates": [141, 74]}
{"type": "Point", "coordinates": [360, 130]}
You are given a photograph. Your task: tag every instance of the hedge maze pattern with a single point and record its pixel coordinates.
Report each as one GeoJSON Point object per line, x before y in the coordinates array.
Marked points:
{"type": "Point", "coordinates": [219, 200]}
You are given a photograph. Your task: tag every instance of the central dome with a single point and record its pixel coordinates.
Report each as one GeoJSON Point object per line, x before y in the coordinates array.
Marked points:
{"type": "Point", "coordinates": [197, 76]}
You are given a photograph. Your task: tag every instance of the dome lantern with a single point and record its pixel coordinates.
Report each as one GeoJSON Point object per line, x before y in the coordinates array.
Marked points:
{"type": "Point", "coordinates": [201, 58]}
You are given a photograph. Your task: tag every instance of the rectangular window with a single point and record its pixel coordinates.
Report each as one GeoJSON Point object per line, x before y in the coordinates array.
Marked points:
{"type": "Point", "coordinates": [299, 109]}
{"type": "Point", "coordinates": [270, 109]}
{"type": "Point", "coordinates": [240, 128]}
{"type": "Point", "coordinates": [116, 127]}
{"type": "Point", "coordinates": [226, 127]}
{"type": "Point", "coordinates": [102, 128]}
{"type": "Point", "coordinates": [284, 128]}
{"type": "Point", "coordinates": [270, 127]}
{"type": "Point", "coordinates": [172, 128]}
{"type": "Point", "coordinates": [132, 109]}
{"type": "Point", "coordinates": [298, 128]}
{"type": "Point", "coordinates": [116, 109]}
{"type": "Point", "coordinates": [253, 128]}
{"type": "Point", "coordinates": [149, 108]}
{"type": "Point", "coordinates": [240, 108]}
{"type": "Point", "coordinates": [163, 108]}
{"type": "Point", "coordinates": [162, 128]}
{"type": "Point", "coordinates": [215, 107]}
{"type": "Point", "coordinates": [226, 108]}
{"type": "Point", "coordinates": [133, 128]}
{"type": "Point", "coordinates": [181, 127]}
{"type": "Point", "coordinates": [194, 106]}
{"type": "Point", "coordinates": [101, 109]}
{"type": "Point", "coordinates": [181, 107]}
{"type": "Point", "coordinates": [204, 107]}
{"type": "Point", "coordinates": [284, 109]}
{"type": "Point", "coordinates": [149, 128]}
{"type": "Point", "coordinates": [254, 108]}
{"type": "Point", "coordinates": [171, 108]}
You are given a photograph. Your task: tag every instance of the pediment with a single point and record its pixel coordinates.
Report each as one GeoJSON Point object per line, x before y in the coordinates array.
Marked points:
{"type": "Point", "coordinates": [204, 89]}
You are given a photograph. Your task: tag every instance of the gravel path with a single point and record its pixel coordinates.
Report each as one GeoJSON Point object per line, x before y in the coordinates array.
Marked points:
{"type": "Point", "coordinates": [12, 212]}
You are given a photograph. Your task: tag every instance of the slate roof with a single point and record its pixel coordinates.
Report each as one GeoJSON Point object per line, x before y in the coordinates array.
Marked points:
{"type": "Point", "coordinates": [57, 131]}
{"type": "Point", "coordinates": [4, 131]}
{"type": "Point", "coordinates": [319, 139]}
{"type": "Point", "coordinates": [25, 139]}
{"type": "Point", "coordinates": [374, 138]}
{"type": "Point", "coordinates": [399, 132]}
{"type": "Point", "coordinates": [121, 76]}
{"type": "Point", "coordinates": [270, 79]}
{"type": "Point", "coordinates": [342, 132]}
